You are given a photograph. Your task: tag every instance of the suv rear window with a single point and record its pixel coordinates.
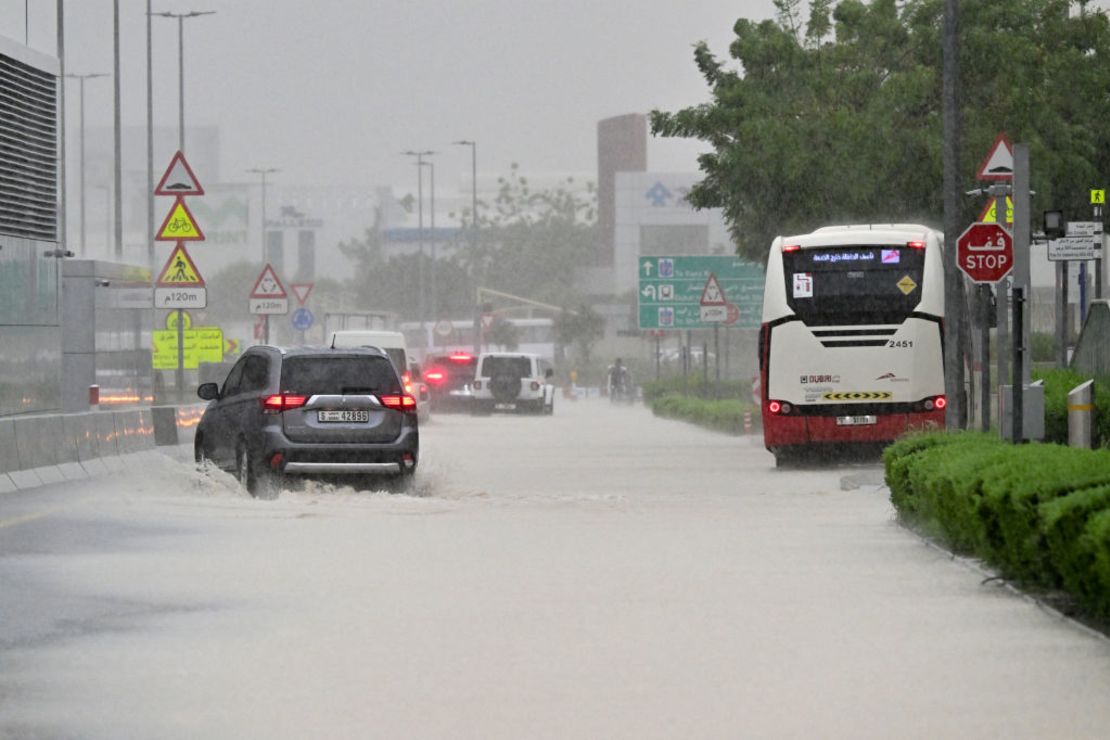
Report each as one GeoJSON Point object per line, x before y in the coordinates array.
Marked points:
{"type": "Point", "coordinates": [338, 375]}
{"type": "Point", "coordinates": [520, 367]}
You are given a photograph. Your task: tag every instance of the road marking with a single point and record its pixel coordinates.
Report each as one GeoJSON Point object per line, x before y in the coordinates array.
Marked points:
{"type": "Point", "coordinates": [25, 518]}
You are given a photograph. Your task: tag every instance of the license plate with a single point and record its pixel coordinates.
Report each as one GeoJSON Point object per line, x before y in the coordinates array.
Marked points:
{"type": "Point", "coordinates": [505, 406]}
{"type": "Point", "coordinates": [354, 416]}
{"type": "Point", "coordinates": [855, 421]}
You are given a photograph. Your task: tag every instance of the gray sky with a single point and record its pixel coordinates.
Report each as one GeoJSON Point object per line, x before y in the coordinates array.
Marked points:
{"type": "Point", "coordinates": [332, 91]}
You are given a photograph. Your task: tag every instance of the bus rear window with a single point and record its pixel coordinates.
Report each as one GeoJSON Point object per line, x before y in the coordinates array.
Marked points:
{"type": "Point", "coordinates": [850, 285]}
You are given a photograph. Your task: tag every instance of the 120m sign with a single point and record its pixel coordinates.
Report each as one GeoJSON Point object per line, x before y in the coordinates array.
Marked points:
{"type": "Point", "coordinates": [180, 297]}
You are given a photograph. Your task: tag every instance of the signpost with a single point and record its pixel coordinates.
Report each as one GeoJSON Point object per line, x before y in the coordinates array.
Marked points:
{"type": "Point", "coordinates": [699, 292]}
{"type": "Point", "coordinates": [268, 298]}
{"type": "Point", "coordinates": [180, 284]}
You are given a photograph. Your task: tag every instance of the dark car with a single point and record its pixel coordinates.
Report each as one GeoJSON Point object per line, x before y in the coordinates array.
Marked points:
{"type": "Point", "coordinates": [316, 412]}
{"type": "Point", "coordinates": [449, 379]}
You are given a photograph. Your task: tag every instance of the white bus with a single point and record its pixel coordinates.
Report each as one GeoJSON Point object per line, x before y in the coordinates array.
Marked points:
{"type": "Point", "coordinates": [851, 345]}
{"type": "Point", "coordinates": [534, 336]}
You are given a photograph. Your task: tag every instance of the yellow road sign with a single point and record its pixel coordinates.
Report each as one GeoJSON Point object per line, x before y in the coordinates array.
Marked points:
{"type": "Point", "coordinates": [990, 213]}
{"type": "Point", "coordinates": [180, 225]}
{"type": "Point", "coordinates": [1098, 197]}
{"type": "Point", "coordinates": [204, 344]}
{"type": "Point", "coordinates": [906, 285]}
{"type": "Point", "coordinates": [179, 270]}
{"type": "Point", "coordinates": [186, 320]}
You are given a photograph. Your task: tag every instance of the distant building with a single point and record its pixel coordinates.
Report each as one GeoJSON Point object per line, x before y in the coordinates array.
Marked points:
{"type": "Point", "coordinates": [621, 147]}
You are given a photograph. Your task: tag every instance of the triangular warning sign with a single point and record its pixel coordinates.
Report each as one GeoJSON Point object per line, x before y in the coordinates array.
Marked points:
{"type": "Point", "coordinates": [179, 179]}
{"type": "Point", "coordinates": [268, 285]}
{"type": "Point", "coordinates": [301, 290]}
{"type": "Point", "coordinates": [999, 163]}
{"type": "Point", "coordinates": [179, 226]}
{"type": "Point", "coordinates": [712, 295]}
{"type": "Point", "coordinates": [180, 271]}
{"type": "Point", "coordinates": [989, 214]}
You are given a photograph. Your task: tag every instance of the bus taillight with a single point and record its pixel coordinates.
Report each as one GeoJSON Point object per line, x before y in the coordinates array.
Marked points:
{"type": "Point", "coordinates": [791, 247]}
{"type": "Point", "coordinates": [779, 407]}
{"type": "Point", "coordinates": [936, 402]}
{"type": "Point", "coordinates": [915, 245]}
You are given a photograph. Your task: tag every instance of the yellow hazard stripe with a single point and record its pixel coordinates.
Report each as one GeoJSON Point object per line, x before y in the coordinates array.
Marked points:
{"type": "Point", "coordinates": [1081, 407]}
{"type": "Point", "coordinates": [857, 396]}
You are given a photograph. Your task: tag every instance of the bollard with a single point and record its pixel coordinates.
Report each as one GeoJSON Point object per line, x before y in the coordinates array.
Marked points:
{"type": "Point", "coordinates": [747, 422]}
{"type": "Point", "coordinates": [1081, 415]}
{"type": "Point", "coordinates": [94, 395]}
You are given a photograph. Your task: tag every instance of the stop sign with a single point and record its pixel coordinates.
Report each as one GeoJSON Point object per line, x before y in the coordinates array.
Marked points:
{"type": "Point", "coordinates": [985, 252]}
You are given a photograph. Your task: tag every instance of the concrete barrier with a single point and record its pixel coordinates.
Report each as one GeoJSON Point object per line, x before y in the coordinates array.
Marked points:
{"type": "Point", "coordinates": [9, 459]}
{"type": "Point", "coordinates": [39, 450]}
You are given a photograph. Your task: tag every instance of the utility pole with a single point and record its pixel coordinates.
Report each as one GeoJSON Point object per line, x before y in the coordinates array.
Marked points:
{"type": "Point", "coordinates": [1022, 369]}
{"type": "Point", "coordinates": [953, 282]}
{"type": "Point", "coordinates": [62, 235]}
{"type": "Point", "coordinates": [421, 302]}
{"type": "Point", "coordinates": [117, 183]}
{"type": "Point", "coordinates": [149, 143]}
{"type": "Point", "coordinates": [81, 97]}
{"type": "Point", "coordinates": [474, 229]}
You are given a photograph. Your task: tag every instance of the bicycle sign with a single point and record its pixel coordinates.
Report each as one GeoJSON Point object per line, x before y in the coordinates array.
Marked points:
{"type": "Point", "coordinates": [180, 226]}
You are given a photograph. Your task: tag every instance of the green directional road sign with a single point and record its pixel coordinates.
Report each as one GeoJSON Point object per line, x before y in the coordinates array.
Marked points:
{"type": "Point", "coordinates": [673, 293]}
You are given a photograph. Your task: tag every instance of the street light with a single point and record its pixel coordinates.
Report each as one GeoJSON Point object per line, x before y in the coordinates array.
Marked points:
{"type": "Point", "coordinates": [81, 81]}
{"type": "Point", "coordinates": [420, 228]}
{"type": "Point", "coordinates": [432, 211]}
{"type": "Point", "coordinates": [181, 65]}
{"type": "Point", "coordinates": [263, 171]}
{"type": "Point", "coordinates": [474, 226]}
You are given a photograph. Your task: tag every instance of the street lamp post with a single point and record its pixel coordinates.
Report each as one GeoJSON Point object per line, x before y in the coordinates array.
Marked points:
{"type": "Point", "coordinates": [263, 171]}
{"type": "Point", "coordinates": [420, 231]}
{"type": "Point", "coordinates": [474, 227]}
{"type": "Point", "coordinates": [181, 66]}
{"type": "Point", "coordinates": [433, 298]}
{"type": "Point", "coordinates": [81, 84]}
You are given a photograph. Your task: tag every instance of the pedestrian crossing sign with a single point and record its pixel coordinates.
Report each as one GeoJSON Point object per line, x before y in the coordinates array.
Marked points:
{"type": "Point", "coordinates": [180, 271]}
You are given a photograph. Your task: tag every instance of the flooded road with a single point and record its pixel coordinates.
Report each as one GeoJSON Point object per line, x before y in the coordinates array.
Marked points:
{"type": "Point", "coordinates": [599, 573]}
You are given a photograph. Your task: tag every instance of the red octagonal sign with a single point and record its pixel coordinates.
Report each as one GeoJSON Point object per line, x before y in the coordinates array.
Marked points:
{"type": "Point", "coordinates": [985, 252]}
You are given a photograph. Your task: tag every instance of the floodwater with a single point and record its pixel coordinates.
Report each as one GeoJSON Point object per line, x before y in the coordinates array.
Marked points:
{"type": "Point", "coordinates": [599, 573]}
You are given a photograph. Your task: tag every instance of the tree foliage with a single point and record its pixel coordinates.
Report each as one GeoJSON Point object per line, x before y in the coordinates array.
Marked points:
{"type": "Point", "coordinates": [580, 329]}
{"type": "Point", "coordinates": [837, 118]}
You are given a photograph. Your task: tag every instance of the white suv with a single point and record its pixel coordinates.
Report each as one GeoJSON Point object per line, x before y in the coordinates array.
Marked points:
{"type": "Point", "coordinates": [513, 381]}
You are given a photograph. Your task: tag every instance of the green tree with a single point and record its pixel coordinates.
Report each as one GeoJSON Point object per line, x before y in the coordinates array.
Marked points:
{"type": "Point", "coordinates": [504, 334]}
{"type": "Point", "coordinates": [533, 243]}
{"type": "Point", "coordinates": [837, 118]}
{"type": "Point", "coordinates": [580, 329]}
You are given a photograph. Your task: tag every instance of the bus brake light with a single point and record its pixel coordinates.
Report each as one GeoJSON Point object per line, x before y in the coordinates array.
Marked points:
{"type": "Point", "coordinates": [915, 245]}
{"type": "Point", "coordinates": [792, 247]}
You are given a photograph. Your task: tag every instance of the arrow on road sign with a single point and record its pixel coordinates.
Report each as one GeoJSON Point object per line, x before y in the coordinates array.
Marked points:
{"type": "Point", "coordinates": [268, 285]}
{"type": "Point", "coordinates": [648, 292]}
{"type": "Point", "coordinates": [647, 267]}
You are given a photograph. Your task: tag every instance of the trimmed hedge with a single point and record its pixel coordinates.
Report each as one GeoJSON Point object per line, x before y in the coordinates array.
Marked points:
{"type": "Point", "coordinates": [1057, 385]}
{"type": "Point", "coordinates": [724, 416]}
{"type": "Point", "coordinates": [1039, 513]}
{"type": "Point", "coordinates": [692, 386]}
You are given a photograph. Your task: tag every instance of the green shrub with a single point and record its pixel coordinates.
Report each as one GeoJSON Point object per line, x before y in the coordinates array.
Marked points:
{"type": "Point", "coordinates": [1063, 521]}
{"type": "Point", "coordinates": [1094, 589]}
{"type": "Point", "coordinates": [1057, 385]}
{"type": "Point", "coordinates": [898, 460]}
{"type": "Point", "coordinates": [692, 386]}
{"type": "Point", "coordinates": [1013, 493]}
{"type": "Point", "coordinates": [726, 415]}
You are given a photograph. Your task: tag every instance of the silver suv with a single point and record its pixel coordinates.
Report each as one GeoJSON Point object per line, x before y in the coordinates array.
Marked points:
{"type": "Point", "coordinates": [308, 411]}
{"type": "Point", "coordinates": [513, 381]}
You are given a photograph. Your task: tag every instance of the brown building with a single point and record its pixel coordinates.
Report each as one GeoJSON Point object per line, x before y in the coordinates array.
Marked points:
{"type": "Point", "coordinates": [621, 147]}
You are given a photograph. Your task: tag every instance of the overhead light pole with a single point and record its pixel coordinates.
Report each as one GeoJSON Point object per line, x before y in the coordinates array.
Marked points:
{"type": "Point", "coordinates": [433, 297]}
{"type": "Point", "coordinates": [181, 65]}
{"type": "Point", "coordinates": [421, 299]}
{"type": "Point", "coordinates": [149, 141]}
{"type": "Point", "coordinates": [81, 97]}
{"type": "Point", "coordinates": [263, 171]}
{"type": "Point", "coordinates": [474, 228]}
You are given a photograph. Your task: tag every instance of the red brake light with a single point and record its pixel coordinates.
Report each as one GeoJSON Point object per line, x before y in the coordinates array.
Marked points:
{"type": "Point", "coordinates": [461, 357]}
{"type": "Point", "coordinates": [283, 402]}
{"type": "Point", "coordinates": [791, 247]}
{"type": "Point", "coordinates": [401, 402]}
{"type": "Point", "coordinates": [774, 407]}
{"type": "Point", "coordinates": [915, 245]}
{"type": "Point", "coordinates": [940, 402]}
{"type": "Point", "coordinates": [435, 375]}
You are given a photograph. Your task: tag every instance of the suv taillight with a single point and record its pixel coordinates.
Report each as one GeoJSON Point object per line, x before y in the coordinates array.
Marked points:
{"type": "Point", "coordinates": [400, 402]}
{"type": "Point", "coordinates": [277, 403]}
